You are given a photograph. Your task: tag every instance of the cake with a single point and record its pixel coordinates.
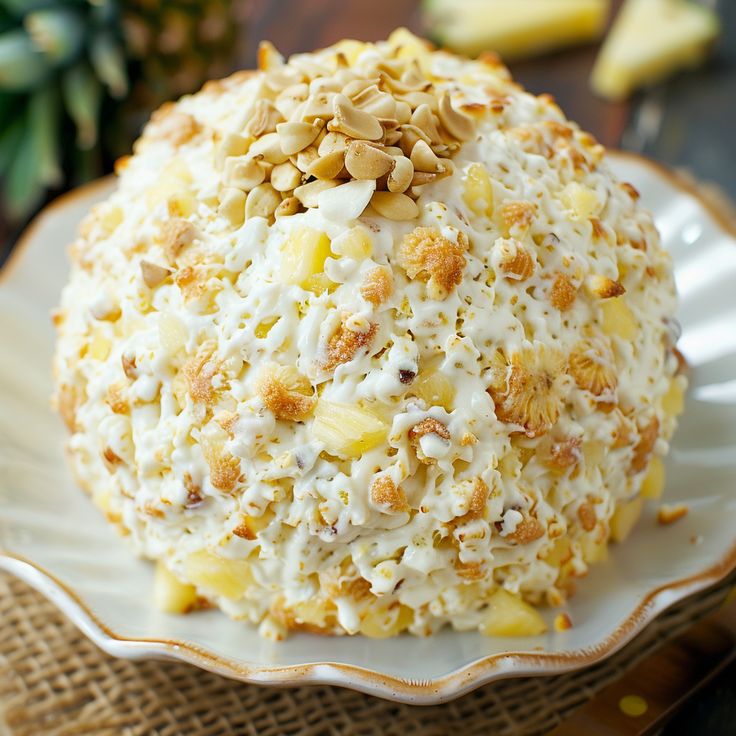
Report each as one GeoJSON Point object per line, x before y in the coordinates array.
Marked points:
{"type": "Point", "coordinates": [369, 341]}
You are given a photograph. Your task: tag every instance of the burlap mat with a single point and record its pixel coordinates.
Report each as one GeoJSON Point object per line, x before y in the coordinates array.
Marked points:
{"type": "Point", "coordinates": [53, 681]}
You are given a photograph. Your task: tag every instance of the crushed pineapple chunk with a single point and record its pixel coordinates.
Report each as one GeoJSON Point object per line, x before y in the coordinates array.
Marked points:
{"type": "Point", "coordinates": [618, 319]}
{"type": "Point", "coordinates": [355, 243]}
{"type": "Point", "coordinates": [673, 402]}
{"type": "Point", "coordinates": [582, 202]}
{"type": "Point", "coordinates": [560, 552]}
{"type": "Point", "coordinates": [347, 430]}
{"type": "Point", "coordinates": [594, 550]}
{"type": "Point", "coordinates": [174, 181]}
{"type": "Point", "coordinates": [653, 483]}
{"type": "Point", "coordinates": [434, 389]}
{"type": "Point", "coordinates": [228, 578]}
{"type": "Point", "coordinates": [508, 615]}
{"type": "Point", "coordinates": [304, 256]}
{"type": "Point", "coordinates": [314, 611]}
{"type": "Point", "coordinates": [172, 332]}
{"type": "Point", "coordinates": [99, 348]}
{"type": "Point", "coordinates": [170, 594]}
{"type": "Point", "coordinates": [478, 192]}
{"type": "Point", "coordinates": [382, 624]}
{"type": "Point", "coordinates": [624, 518]}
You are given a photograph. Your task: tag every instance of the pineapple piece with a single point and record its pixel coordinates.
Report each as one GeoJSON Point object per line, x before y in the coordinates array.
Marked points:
{"type": "Point", "coordinates": [618, 319]}
{"type": "Point", "coordinates": [99, 348]}
{"type": "Point", "coordinates": [172, 333]}
{"type": "Point", "coordinates": [477, 190]}
{"type": "Point", "coordinates": [515, 28]}
{"type": "Point", "coordinates": [314, 612]}
{"type": "Point", "coordinates": [171, 595]}
{"type": "Point", "coordinates": [303, 258]}
{"type": "Point", "coordinates": [582, 202]}
{"type": "Point", "coordinates": [174, 181]}
{"type": "Point", "coordinates": [434, 389]}
{"type": "Point", "coordinates": [228, 578]}
{"type": "Point", "coordinates": [673, 402]}
{"type": "Point", "coordinates": [624, 518]}
{"type": "Point", "coordinates": [383, 623]}
{"type": "Point", "coordinates": [650, 40]}
{"type": "Point", "coordinates": [594, 550]}
{"type": "Point", "coordinates": [355, 243]}
{"type": "Point", "coordinates": [508, 615]}
{"type": "Point", "coordinates": [560, 552]}
{"type": "Point", "coordinates": [347, 430]}
{"type": "Point", "coordinates": [653, 483]}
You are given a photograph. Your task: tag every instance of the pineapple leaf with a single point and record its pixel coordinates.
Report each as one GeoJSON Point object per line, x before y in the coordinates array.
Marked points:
{"type": "Point", "coordinates": [44, 114]}
{"type": "Point", "coordinates": [82, 94]}
{"type": "Point", "coordinates": [23, 184]}
{"type": "Point", "coordinates": [10, 138]}
{"type": "Point", "coordinates": [108, 61]}
{"type": "Point", "coordinates": [57, 32]}
{"type": "Point", "coordinates": [22, 66]}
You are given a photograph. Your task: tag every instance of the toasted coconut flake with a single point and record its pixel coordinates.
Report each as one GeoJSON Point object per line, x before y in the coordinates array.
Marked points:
{"type": "Point", "coordinates": [647, 439]}
{"type": "Point", "coordinates": [517, 214]}
{"type": "Point", "coordinates": [527, 530]}
{"type": "Point", "coordinates": [530, 394]}
{"type": "Point", "coordinates": [587, 516]}
{"type": "Point", "coordinates": [515, 261]}
{"type": "Point", "coordinates": [429, 256]}
{"type": "Point", "coordinates": [385, 493]}
{"type": "Point", "coordinates": [563, 454]}
{"type": "Point", "coordinates": [425, 427]}
{"type": "Point", "coordinates": [287, 393]}
{"type": "Point", "coordinates": [116, 400]}
{"type": "Point", "coordinates": [592, 365]}
{"type": "Point", "coordinates": [605, 288]}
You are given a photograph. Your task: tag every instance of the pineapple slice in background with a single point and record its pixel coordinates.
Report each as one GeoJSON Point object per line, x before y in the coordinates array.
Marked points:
{"type": "Point", "coordinates": [650, 40]}
{"type": "Point", "coordinates": [510, 616]}
{"type": "Point", "coordinates": [625, 517]}
{"type": "Point", "coordinates": [170, 594]}
{"type": "Point", "coordinates": [514, 28]}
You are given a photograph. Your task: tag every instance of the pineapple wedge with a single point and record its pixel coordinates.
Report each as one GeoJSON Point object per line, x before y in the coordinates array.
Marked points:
{"type": "Point", "coordinates": [650, 40]}
{"type": "Point", "coordinates": [514, 28]}
{"type": "Point", "coordinates": [510, 616]}
{"type": "Point", "coordinates": [347, 430]}
{"type": "Point", "coordinates": [625, 517]}
{"type": "Point", "coordinates": [228, 578]}
{"type": "Point", "coordinates": [653, 483]}
{"type": "Point", "coordinates": [171, 595]}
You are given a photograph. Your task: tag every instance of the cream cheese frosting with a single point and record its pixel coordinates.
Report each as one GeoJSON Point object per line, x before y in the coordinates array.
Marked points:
{"type": "Point", "coordinates": [331, 403]}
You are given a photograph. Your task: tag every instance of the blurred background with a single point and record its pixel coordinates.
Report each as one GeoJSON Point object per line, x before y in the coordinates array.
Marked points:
{"type": "Point", "coordinates": [78, 78]}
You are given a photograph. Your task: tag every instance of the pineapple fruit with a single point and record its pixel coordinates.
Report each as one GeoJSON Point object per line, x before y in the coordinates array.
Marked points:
{"type": "Point", "coordinates": [222, 576]}
{"type": "Point", "coordinates": [508, 615]}
{"type": "Point", "coordinates": [624, 518]}
{"type": "Point", "coordinates": [170, 594]}
{"type": "Point", "coordinates": [618, 319]}
{"type": "Point", "coordinates": [303, 259]}
{"type": "Point", "coordinates": [514, 28]}
{"type": "Point", "coordinates": [651, 39]}
{"type": "Point", "coordinates": [347, 430]}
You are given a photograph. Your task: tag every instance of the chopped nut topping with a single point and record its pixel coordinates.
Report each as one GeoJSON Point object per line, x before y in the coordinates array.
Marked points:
{"type": "Point", "coordinates": [264, 120]}
{"type": "Point", "coordinates": [129, 367]}
{"type": "Point", "coordinates": [378, 285]}
{"type": "Point", "coordinates": [345, 343]}
{"type": "Point", "coordinates": [426, 254]}
{"type": "Point", "coordinates": [562, 622]}
{"type": "Point", "coordinates": [115, 400]}
{"type": "Point", "coordinates": [670, 513]}
{"type": "Point", "coordinates": [194, 492]}
{"type": "Point", "coordinates": [592, 365]}
{"type": "Point", "coordinates": [153, 274]}
{"type": "Point", "coordinates": [516, 262]}
{"type": "Point", "coordinates": [563, 292]}
{"type": "Point", "coordinates": [175, 235]}
{"type": "Point", "coordinates": [527, 530]}
{"type": "Point", "coordinates": [384, 492]}
{"type": "Point", "coordinates": [647, 439]}
{"type": "Point", "coordinates": [470, 570]}
{"type": "Point", "coordinates": [364, 161]}
{"type": "Point", "coordinates": [67, 406]}
{"type": "Point", "coordinates": [394, 205]}
{"type": "Point", "coordinates": [287, 393]}
{"type": "Point", "coordinates": [605, 288]}
{"type": "Point", "coordinates": [529, 393]}
{"type": "Point", "coordinates": [563, 454]}
{"type": "Point", "coordinates": [111, 459]}
{"type": "Point", "coordinates": [587, 516]}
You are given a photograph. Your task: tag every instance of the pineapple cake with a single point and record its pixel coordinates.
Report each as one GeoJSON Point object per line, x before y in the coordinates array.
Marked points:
{"type": "Point", "coordinates": [369, 341]}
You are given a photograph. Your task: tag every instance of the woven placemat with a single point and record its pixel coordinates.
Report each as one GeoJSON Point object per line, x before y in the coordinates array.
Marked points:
{"type": "Point", "coordinates": [53, 681]}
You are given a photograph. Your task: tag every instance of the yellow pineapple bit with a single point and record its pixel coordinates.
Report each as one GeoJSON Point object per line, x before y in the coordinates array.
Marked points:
{"type": "Point", "coordinates": [624, 518]}
{"type": "Point", "coordinates": [313, 614]}
{"type": "Point", "coordinates": [110, 219]}
{"type": "Point", "coordinates": [286, 392]}
{"type": "Point", "coordinates": [673, 402]}
{"type": "Point", "coordinates": [170, 595]}
{"type": "Point", "coordinates": [303, 257]}
{"type": "Point", "coordinates": [355, 243]}
{"type": "Point", "coordinates": [562, 622]}
{"type": "Point", "coordinates": [594, 550]}
{"type": "Point", "coordinates": [172, 333]}
{"type": "Point", "coordinates": [508, 615]}
{"type": "Point", "coordinates": [582, 202]}
{"type": "Point", "coordinates": [427, 255]}
{"type": "Point", "coordinates": [618, 319]}
{"type": "Point", "coordinates": [382, 623]}
{"type": "Point", "coordinates": [560, 553]}
{"type": "Point", "coordinates": [592, 365]}
{"type": "Point", "coordinates": [527, 393]}
{"type": "Point", "coordinates": [347, 430]}
{"type": "Point", "coordinates": [175, 179]}
{"type": "Point", "coordinates": [434, 388]}
{"type": "Point", "coordinates": [653, 483]}
{"type": "Point", "coordinates": [264, 327]}
{"type": "Point", "coordinates": [251, 525]}
{"type": "Point", "coordinates": [99, 348]}
{"type": "Point", "coordinates": [478, 191]}
{"type": "Point", "coordinates": [225, 577]}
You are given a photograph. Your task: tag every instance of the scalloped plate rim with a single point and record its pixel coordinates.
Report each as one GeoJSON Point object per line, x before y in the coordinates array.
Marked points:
{"type": "Point", "coordinates": [406, 690]}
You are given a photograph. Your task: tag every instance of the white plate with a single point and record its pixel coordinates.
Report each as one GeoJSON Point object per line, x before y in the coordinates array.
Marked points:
{"type": "Point", "coordinates": [51, 536]}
